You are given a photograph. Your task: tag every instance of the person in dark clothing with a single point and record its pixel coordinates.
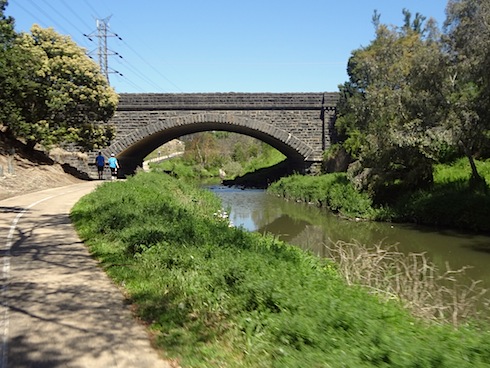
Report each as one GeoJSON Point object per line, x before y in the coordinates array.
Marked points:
{"type": "Point", "coordinates": [100, 162]}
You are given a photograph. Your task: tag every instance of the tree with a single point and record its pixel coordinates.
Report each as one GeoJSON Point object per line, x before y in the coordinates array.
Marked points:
{"type": "Point", "coordinates": [203, 149]}
{"type": "Point", "coordinates": [61, 95]}
{"type": "Point", "coordinates": [467, 89]}
{"type": "Point", "coordinates": [385, 112]}
{"type": "Point", "coordinates": [8, 111]}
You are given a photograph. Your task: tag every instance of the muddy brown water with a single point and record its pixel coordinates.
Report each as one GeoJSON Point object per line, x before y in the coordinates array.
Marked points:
{"type": "Point", "coordinates": [311, 228]}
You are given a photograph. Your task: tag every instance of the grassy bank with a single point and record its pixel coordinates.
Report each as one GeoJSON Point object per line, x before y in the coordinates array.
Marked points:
{"type": "Point", "coordinates": [208, 153]}
{"type": "Point", "coordinates": [449, 203]}
{"type": "Point", "coordinates": [332, 191]}
{"type": "Point", "coordinates": [216, 296]}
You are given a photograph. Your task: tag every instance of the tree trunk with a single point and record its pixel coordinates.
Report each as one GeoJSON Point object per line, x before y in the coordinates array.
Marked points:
{"type": "Point", "coordinates": [476, 181]}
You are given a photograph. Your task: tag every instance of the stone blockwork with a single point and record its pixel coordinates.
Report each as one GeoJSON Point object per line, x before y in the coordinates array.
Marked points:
{"type": "Point", "coordinates": [298, 124]}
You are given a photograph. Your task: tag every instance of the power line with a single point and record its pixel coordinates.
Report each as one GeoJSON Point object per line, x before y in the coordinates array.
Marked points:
{"type": "Point", "coordinates": [131, 82]}
{"type": "Point", "coordinates": [102, 34]}
{"type": "Point", "coordinates": [91, 8]}
{"type": "Point", "coordinates": [53, 21]}
{"type": "Point", "coordinates": [140, 42]}
{"type": "Point", "coordinates": [75, 14]}
{"type": "Point", "coordinates": [62, 16]}
{"type": "Point", "coordinates": [41, 10]}
{"type": "Point", "coordinates": [142, 76]}
{"type": "Point", "coordinates": [31, 14]}
{"type": "Point", "coordinates": [103, 52]}
{"type": "Point", "coordinates": [151, 66]}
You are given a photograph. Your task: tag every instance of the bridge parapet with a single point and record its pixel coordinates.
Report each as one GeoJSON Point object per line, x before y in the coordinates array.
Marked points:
{"type": "Point", "coordinates": [227, 101]}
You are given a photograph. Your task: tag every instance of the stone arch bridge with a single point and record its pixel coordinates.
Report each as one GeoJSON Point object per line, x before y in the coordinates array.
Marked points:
{"type": "Point", "coordinates": [300, 125]}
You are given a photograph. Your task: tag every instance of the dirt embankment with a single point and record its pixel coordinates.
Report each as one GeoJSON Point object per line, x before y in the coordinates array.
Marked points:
{"type": "Point", "coordinates": [23, 171]}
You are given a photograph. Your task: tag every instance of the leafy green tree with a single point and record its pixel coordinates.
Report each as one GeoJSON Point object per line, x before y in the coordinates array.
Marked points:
{"type": "Point", "coordinates": [8, 72]}
{"type": "Point", "coordinates": [60, 94]}
{"type": "Point", "coordinates": [467, 87]}
{"type": "Point", "coordinates": [386, 108]}
{"type": "Point", "coordinates": [203, 149]}
{"type": "Point", "coordinates": [7, 32]}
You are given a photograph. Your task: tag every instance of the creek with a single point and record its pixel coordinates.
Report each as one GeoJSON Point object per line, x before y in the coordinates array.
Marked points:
{"type": "Point", "coordinates": [311, 228]}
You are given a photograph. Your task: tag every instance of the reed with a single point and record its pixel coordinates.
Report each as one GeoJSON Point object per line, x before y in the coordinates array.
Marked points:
{"type": "Point", "coordinates": [424, 289]}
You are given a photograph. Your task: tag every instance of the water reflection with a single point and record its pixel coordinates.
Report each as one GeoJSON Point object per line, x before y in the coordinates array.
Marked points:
{"type": "Point", "coordinates": [311, 228]}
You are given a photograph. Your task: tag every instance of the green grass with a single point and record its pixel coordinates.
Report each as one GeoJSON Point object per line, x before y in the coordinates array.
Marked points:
{"type": "Point", "coordinates": [268, 158]}
{"type": "Point", "coordinates": [216, 296]}
{"type": "Point", "coordinates": [242, 159]}
{"type": "Point", "coordinates": [451, 202]}
{"type": "Point", "coordinates": [460, 172]}
{"type": "Point", "coordinates": [183, 169]}
{"type": "Point", "coordinates": [333, 191]}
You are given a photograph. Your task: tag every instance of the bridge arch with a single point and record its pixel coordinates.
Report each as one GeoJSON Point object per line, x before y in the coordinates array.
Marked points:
{"type": "Point", "coordinates": [300, 125]}
{"type": "Point", "coordinates": [134, 147]}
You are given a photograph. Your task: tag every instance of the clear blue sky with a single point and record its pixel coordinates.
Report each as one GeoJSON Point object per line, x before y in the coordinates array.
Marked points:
{"type": "Point", "coordinates": [223, 45]}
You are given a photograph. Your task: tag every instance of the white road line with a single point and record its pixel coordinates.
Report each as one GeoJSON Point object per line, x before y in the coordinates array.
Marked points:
{"type": "Point", "coordinates": [6, 279]}
{"type": "Point", "coordinates": [4, 305]}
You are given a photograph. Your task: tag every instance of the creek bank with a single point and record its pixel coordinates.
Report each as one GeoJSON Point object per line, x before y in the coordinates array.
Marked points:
{"type": "Point", "coordinates": [466, 210]}
{"type": "Point", "coordinates": [221, 296]}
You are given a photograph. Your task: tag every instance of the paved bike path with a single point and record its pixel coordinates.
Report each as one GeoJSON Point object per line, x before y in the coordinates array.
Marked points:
{"type": "Point", "coordinates": [58, 308]}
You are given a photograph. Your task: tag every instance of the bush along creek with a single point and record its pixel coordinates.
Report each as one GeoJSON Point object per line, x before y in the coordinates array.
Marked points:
{"type": "Point", "coordinates": [216, 295]}
{"type": "Point", "coordinates": [450, 202]}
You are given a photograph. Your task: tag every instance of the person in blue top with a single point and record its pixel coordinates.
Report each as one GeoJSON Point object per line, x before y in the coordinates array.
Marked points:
{"type": "Point", "coordinates": [113, 165]}
{"type": "Point", "coordinates": [100, 163]}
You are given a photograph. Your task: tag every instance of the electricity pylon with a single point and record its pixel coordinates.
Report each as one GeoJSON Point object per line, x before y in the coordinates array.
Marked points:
{"type": "Point", "coordinates": [102, 51]}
